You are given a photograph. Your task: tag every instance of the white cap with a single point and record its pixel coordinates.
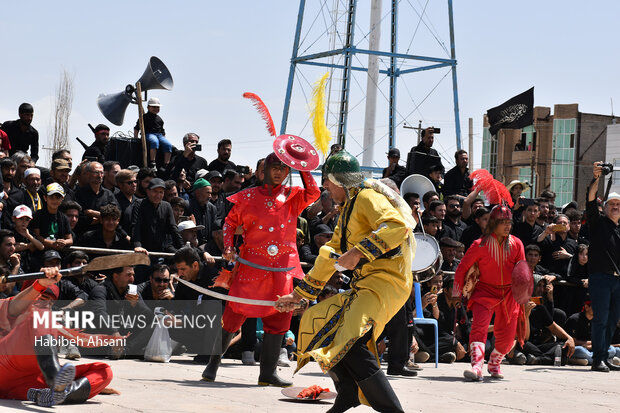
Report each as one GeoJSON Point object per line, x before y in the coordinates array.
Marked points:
{"type": "Point", "coordinates": [613, 195]}
{"type": "Point", "coordinates": [31, 171]}
{"type": "Point", "coordinates": [153, 102]}
{"type": "Point", "coordinates": [21, 211]}
{"type": "Point", "coordinates": [189, 224]}
{"type": "Point", "coordinates": [201, 173]}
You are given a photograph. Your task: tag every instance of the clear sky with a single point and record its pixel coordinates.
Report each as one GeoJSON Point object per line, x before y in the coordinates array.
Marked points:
{"type": "Point", "coordinates": [218, 50]}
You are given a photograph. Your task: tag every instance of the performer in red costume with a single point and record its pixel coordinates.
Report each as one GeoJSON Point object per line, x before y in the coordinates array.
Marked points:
{"type": "Point", "coordinates": [496, 255]}
{"type": "Point", "coordinates": [268, 215]}
{"type": "Point", "coordinates": [30, 370]}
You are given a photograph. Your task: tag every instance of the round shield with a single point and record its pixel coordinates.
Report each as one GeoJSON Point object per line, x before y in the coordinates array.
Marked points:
{"type": "Point", "coordinates": [292, 392]}
{"type": "Point", "coordinates": [522, 282]}
{"type": "Point", "coordinates": [296, 152]}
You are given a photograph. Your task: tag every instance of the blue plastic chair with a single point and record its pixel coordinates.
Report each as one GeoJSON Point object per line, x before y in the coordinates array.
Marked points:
{"type": "Point", "coordinates": [421, 320]}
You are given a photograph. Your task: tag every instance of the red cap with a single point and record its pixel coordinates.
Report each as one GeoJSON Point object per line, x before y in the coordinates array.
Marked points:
{"type": "Point", "coordinates": [501, 212]}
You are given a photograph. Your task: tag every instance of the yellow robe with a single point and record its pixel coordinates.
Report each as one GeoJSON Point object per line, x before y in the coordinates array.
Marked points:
{"type": "Point", "coordinates": [329, 329]}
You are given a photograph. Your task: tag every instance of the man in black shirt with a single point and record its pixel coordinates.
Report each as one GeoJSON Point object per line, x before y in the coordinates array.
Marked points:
{"type": "Point", "coordinates": [394, 171]}
{"type": "Point", "coordinates": [453, 226]}
{"type": "Point", "coordinates": [50, 226]}
{"type": "Point", "coordinates": [222, 162]}
{"type": "Point", "coordinates": [60, 174]}
{"type": "Point", "coordinates": [92, 197]}
{"type": "Point", "coordinates": [98, 148]}
{"type": "Point", "coordinates": [21, 133]}
{"type": "Point", "coordinates": [428, 156]}
{"type": "Point", "coordinates": [557, 248]}
{"type": "Point", "coordinates": [217, 196]}
{"type": "Point", "coordinates": [456, 181]}
{"type": "Point", "coordinates": [205, 214]}
{"type": "Point", "coordinates": [13, 192]}
{"type": "Point", "coordinates": [156, 291]}
{"type": "Point", "coordinates": [127, 184]}
{"type": "Point", "coordinates": [152, 220]}
{"type": "Point", "coordinates": [108, 235]}
{"type": "Point", "coordinates": [188, 159]}
{"type": "Point", "coordinates": [528, 230]}
{"type": "Point", "coordinates": [604, 269]}
{"type": "Point", "coordinates": [475, 230]}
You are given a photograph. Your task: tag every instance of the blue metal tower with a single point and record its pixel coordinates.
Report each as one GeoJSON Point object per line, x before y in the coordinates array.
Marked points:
{"type": "Point", "coordinates": [393, 72]}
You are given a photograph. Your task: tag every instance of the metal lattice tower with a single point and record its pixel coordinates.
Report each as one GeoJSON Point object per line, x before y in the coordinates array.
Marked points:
{"type": "Point", "coordinates": [348, 51]}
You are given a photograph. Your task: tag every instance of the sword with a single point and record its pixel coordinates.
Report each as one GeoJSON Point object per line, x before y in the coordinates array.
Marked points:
{"type": "Point", "coordinates": [231, 298]}
{"type": "Point", "coordinates": [261, 267]}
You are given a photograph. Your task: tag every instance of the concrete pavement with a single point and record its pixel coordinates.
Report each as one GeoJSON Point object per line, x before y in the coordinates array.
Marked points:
{"type": "Point", "coordinates": [175, 387]}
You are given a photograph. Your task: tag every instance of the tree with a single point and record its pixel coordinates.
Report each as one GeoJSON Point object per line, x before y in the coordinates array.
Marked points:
{"type": "Point", "coordinates": [62, 112]}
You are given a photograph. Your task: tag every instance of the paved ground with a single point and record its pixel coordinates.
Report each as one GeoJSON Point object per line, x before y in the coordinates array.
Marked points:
{"type": "Point", "coordinates": [173, 387]}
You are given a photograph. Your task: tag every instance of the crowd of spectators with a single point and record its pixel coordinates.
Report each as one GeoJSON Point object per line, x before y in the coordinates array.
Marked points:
{"type": "Point", "coordinates": [180, 208]}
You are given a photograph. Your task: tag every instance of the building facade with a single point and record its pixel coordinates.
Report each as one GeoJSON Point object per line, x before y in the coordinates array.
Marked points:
{"type": "Point", "coordinates": [555, 153]}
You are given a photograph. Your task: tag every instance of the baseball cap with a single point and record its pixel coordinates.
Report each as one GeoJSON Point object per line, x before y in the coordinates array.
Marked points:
{"type": "Point", "coordinates": [393, 152]}
{"type": "Point", "coordinates": [156, 183]}
{"type": "Point", "coordinates": [200, 183]}
{"type": "Point", "coordinates": [51, 255]}
{"type": "Point", "coordinates": [153, 102]}
{"type": "Point", "coordinates": [201, 173]}
{"type": "Point", "coordinates": [55, 188]}
{"type": "Point", "coordinates": [213, 174]}
{"type": "Point", "coordinates": [31, 171]}
{"type": "Point", "coordinates": [60, 164]}
{"type": "Point", "coordinates": [189, 224]}
{"type": "Point", "coordinates": [21, 211]}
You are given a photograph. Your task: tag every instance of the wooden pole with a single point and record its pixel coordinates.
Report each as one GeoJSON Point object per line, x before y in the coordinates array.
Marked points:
{"type": "Point", "coordinates": [141, 122]}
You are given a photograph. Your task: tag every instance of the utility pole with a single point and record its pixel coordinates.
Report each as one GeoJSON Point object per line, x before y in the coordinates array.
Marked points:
{"type": "Point", "coordinates": [471, 144]}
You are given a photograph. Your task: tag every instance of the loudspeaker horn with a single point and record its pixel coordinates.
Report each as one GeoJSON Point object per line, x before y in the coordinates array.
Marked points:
{"type": "Point", "coordinates": [418, 184]}
{"type": "Point", "coordinates": [113, 106]}
{"type": "Point", "coordinates": [156, 76]}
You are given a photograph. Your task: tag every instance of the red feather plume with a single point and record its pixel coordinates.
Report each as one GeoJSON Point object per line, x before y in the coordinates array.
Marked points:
{"type": "Point", "coordinates": [494, 190]}
{"type": "Point", "coordinates": [262, 110]}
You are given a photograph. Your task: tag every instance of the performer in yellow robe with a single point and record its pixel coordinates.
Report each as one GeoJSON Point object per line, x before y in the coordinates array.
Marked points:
{"type": "Point", "coordinates": [374, 239]}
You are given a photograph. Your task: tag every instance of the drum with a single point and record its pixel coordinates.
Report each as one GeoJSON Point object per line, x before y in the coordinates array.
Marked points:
{"type": "Point", "coordinates": [427, 260]}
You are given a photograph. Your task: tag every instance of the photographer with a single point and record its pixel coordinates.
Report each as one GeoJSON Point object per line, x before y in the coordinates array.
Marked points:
{"type": "Point", "coordinates": [425, 147]}
{"type": "Point", "coordinates": [188, 159]}
{"type": "Point", "coordinates": [603, 268]}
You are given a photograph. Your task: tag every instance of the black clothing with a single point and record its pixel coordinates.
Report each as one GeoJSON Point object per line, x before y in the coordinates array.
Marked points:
{"type": "Point", "coordinates": [579, 327]}
{"type": "Point", "coordinates": [217, 165]}
{"type": "Point", "coordinates": [191, 166]}
{"type": "Point", "coordinates": [94, 239]}
{"type": "Point", "coordinates": [96, 150]}
{"type": "Point", "coordinates": [220, 209]}
{"type": "Point", "coordinates": [152, 123]}
{"type": "Point", "coordinates": [548, 247]}
{"type": "Point", "coordinates": [31, 201]}
{"type": "Point", "coordinates": [151, 223]}
{"type": "Point", "coordinates": [20, 140]}
{"type": "Point", "coordinates": [68, 291]}
{"type": "Point", "coordinates": [445, 266]}
{"type": "Point", "coordinates": [447, 322]}
{"type": "Point", "coordinates": [147, 295]}
{"type": "Point", "coordinates": [423, 167]}
{"type": "Point", "coordinates": [399, 173]}
{"type": "Point", "coordinates": [540, 320]}
{"type": "Point", "coordinates": [470, 234]}
{"type": "Point", "coordinates": [526, 232]}
{"type": "Point", "coordinates": [52, 226]}
{"type": "Point", "coordinates": [604, 248]}
{"type": "Point", "coordinates": [89, 200]}
{"type": "Point", "coordinates": [452, 230]}
{"type": "Point", "coordinates": [15, 197]}
{"type": "Point", "coordinates": [205, 215]}
{"type": "Point", "coordinates": [456, 183]}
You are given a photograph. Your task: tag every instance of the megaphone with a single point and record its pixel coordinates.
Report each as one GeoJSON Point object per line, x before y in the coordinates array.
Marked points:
{"type": "Point", "coordinates": [418, 184]}
{"type": "Point", "coordinates": [156, 76]}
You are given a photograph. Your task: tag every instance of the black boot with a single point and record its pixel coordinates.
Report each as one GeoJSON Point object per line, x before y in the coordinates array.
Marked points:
{"type": "Point", "coordinates": [269, 362]}
{"type": "Point", "coordinates": [380, 394]}
{"type": "Point", "coordinates": [57, 377]}
{"type": "Point", "coordinates": [346, 388]}
{"type": "Point", "coordinates": [78, 391]}
{"type": "Point", "coordinates": [216, 358]}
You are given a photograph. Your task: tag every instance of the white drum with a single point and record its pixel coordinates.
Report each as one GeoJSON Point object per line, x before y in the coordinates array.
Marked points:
{"type": "Point", "coordinates": [427, 256]}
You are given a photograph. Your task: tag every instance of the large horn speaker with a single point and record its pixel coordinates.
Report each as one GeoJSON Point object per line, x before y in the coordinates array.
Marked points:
{"type": "Point", "coordinates": [113, 106]}
{"type": "Point", "coordinates": [156, 76]}
{"type": "Point", "coordinates": [418, 184]}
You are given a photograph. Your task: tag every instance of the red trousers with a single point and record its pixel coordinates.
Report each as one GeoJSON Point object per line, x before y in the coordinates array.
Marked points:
{"type": "Point", "coordinates": [486, 301]}
{"type": "Point", "coordinates": [278, 323]}
{"type": "Point", "coordinates": [19, 370]}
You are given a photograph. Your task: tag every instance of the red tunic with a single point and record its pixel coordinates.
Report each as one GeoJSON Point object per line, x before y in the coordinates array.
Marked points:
{"type": "Point", "coordinates": [269, 239]}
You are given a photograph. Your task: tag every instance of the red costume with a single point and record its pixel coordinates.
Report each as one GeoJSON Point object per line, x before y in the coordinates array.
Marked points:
{"type": "Point", "coordinates": [19, 370]}
{"type": "Point", "coordinates": [269, 220]}
{"type": "Point", "coordinates": [492, 295]}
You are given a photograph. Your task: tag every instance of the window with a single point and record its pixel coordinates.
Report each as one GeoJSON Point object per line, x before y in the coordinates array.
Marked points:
{"type": "Point", "coordinates": [563, 159]}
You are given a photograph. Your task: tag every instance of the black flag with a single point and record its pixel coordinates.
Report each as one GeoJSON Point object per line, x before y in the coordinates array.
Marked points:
{"type": "Point", "coordinates": [515, 113]}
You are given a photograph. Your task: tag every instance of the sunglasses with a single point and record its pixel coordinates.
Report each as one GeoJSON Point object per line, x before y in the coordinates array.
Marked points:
{"type": "Point", "coordinates": [161, 280]}
{"type": "Point", "coordinates": [131, 182]}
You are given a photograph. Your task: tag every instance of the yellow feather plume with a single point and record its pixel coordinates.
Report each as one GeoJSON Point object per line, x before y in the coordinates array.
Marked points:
{"type": "Point", "coordinates": [322, 135]}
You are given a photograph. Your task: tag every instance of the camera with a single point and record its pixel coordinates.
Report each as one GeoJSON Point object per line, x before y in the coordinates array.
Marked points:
{"type": "Point", "coordinates": [243, 170]}
{"type": "Point", "coordinates": [198, 147]}
{"type": "Point", "coordinates": [607, 168]}
{"type": "Point", "coordinates": [436, 130]}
